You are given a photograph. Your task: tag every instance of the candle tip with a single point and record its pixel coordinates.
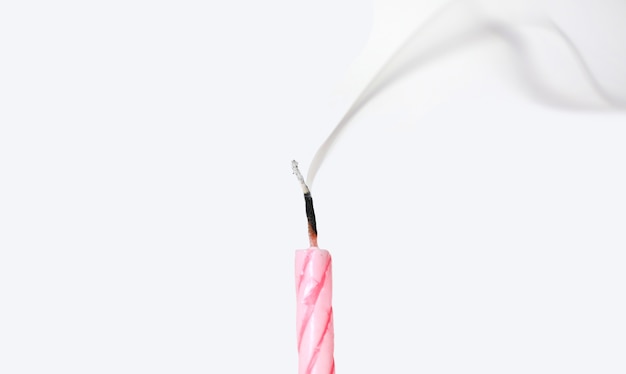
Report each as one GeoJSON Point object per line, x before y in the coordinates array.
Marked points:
{"type": "Point", "coordinates": [296, 172]}
{"type": "Point", "coordinates": [308, 203]}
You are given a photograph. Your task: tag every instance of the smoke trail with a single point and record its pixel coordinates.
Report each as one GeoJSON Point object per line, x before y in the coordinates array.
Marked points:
{"type": "Point", "coordinates": [459, 24]}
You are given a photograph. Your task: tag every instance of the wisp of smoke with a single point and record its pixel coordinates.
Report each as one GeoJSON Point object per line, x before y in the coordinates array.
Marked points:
{"type": "Point", "coordinates": [463, 23]}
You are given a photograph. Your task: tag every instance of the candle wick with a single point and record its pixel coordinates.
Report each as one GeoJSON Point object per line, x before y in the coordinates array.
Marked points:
{"type": "Point", "coordinates": [308, 204]}
{"type": "Point", "coordinates": [296, 172]}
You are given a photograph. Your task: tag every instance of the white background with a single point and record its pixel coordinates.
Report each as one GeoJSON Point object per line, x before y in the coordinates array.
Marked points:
{"type": "Point", "coordinates": [148, 215]}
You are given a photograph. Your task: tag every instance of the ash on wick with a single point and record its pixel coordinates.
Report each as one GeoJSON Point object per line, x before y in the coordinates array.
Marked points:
{"type": "Point", "coordinates": [314, 289]}
{"type": "Point", "coordinates": [308, 203]}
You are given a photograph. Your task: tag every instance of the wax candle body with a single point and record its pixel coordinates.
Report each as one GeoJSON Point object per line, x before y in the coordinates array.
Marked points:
{"type": "Point", "coordinates": [314, 311]}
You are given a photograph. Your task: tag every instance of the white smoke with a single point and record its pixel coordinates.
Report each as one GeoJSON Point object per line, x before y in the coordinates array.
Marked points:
{"type": "Point", "coordinates": [567, 54]}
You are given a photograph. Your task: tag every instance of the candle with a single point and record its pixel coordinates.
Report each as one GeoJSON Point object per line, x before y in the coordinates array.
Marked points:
{"type": "Point", "coordinates": [314, 311]}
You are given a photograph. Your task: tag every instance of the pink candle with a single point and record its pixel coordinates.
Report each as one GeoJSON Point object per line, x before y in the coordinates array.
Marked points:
{"type": "Point", "coordinates": [314, 290]}
{"type": "Point", "coordinates": [314, 311]}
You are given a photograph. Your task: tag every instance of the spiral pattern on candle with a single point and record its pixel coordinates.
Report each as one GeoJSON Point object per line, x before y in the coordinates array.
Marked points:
{"type": "Point", "coordinates": [314, 312]}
